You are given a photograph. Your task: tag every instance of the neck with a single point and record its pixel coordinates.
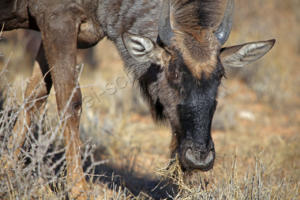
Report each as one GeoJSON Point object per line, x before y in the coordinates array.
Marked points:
{"type": "Point", "coordinates": [119, 16]}
{"type": "Point", "coordinates": [137, 17]}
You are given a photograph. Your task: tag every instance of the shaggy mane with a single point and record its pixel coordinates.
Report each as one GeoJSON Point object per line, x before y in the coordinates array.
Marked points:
{"type": "Point", "coordinates": [193, 22]}
{"type": "Point", "coordinates": [195, 15]}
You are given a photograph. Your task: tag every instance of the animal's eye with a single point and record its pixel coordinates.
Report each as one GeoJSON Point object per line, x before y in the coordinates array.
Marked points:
{"type": "Point", "coordinates": [173, 74]}
{"type": "Point", "coordinates": [176, 75]}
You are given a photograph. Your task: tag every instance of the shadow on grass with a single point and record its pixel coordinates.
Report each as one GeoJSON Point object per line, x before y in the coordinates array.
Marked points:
{"type": "Point", "coordinates": [139, 185]}
{"type": "Point", "coordinates": [142, 186]}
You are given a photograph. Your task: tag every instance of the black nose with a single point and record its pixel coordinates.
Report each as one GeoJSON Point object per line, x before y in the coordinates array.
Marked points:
{"type": "Point", "coordinates": [199, 158]}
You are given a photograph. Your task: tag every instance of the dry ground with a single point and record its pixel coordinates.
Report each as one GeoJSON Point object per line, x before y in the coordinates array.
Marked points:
{"type": "Point", "coordinates": [255, 130]}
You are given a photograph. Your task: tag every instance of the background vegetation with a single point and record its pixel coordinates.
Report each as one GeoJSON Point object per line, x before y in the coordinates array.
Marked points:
{"type": "Point", "coordinates": [255, 129]}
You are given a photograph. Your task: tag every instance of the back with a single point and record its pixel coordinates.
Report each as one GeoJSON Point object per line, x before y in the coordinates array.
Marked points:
{"type": "Point", "coordinates": [13, 13]}
{"type": "Point", "coordinates": [137, 17]}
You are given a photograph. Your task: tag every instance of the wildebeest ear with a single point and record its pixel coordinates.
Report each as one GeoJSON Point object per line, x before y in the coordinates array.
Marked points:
{"type": "Point", "coordinates": [242, 55]}
{"type": "Point", "coordinates": [143, 49]}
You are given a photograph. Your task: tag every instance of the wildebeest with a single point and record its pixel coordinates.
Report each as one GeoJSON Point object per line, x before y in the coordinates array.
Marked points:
{"type": "Point", "coordinates": [172, 47]}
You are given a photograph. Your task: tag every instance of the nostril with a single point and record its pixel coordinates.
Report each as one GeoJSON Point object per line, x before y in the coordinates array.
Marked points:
{"type": "Point", "coordinates": [202, 151]}
{"type": "Point", "coordinates": [190, 156]}
{"type": "Point", "coordinates": [194, 156]}
{"type": "Point", "coordinates": [197, 160]}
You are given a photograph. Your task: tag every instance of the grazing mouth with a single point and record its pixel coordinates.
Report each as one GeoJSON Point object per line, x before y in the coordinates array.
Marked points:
{"type": "Point", "coordinates": [201, 164]}
{"type": "Point", "coordinates": [195, 161]}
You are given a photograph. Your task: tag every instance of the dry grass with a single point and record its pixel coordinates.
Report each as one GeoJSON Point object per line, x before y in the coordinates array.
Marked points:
{"type": "Point", "coordinates": [126, 165]}
{"type": "Point", "coordinates": [278, 71]}
{"type": "Point", "coordinates": [256, 126]}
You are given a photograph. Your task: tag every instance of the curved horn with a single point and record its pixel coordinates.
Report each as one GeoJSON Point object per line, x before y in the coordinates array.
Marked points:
{"type": "Point", "coordinates": [164, 28]}
{"type": "Point", "coordinates": [223, 31]}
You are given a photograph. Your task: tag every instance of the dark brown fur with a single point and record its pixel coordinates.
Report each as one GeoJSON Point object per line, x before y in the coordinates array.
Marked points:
{"type": "Point", "coordinates": [64, 26]}
{"type": "Point", "coordinates": [194, 22]}
{"type": "Point", "coordinates": [176, 90]}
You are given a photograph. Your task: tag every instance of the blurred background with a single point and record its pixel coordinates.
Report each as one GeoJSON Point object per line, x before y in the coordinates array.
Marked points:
{"type": "Point", "coordinates": [257, 119]}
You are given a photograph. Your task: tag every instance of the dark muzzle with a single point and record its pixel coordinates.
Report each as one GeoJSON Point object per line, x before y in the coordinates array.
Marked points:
{"type": "Point", "coordinates": [198, 156]}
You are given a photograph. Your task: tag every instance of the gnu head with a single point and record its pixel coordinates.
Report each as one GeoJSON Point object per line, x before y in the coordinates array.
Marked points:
{"type": "Point", "coordinates": [187, 65]}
